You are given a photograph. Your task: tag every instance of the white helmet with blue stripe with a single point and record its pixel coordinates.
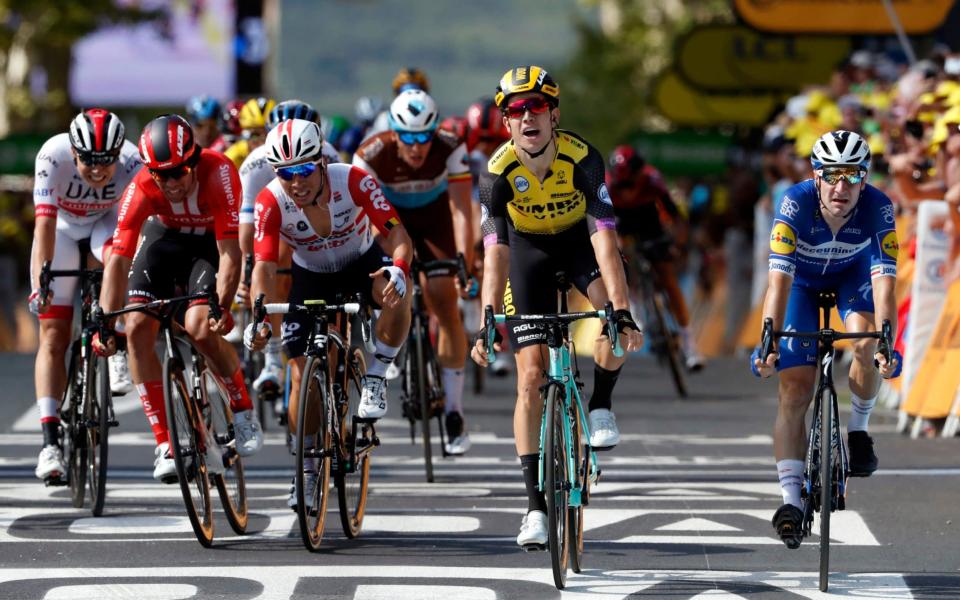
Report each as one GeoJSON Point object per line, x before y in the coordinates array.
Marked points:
{"type": "Point", "coordinates": [840, 149]}
{"type": "Point", "coordinates": [414, 111]}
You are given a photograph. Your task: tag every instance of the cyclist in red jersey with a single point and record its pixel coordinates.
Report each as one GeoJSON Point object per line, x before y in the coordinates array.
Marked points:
{"type": "Point", "coordinates": [641, 203]}
{"type": "Point", "coordinates": [193, 195]}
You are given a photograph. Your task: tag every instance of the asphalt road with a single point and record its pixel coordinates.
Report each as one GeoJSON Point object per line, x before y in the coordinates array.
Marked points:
{"type": "Point", "coordinates": [682, 511]}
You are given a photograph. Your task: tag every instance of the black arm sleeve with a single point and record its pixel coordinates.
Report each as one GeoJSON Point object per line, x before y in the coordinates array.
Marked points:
{"type": "Point", "coordinates": [494, 196]}
{"type": "Point", "coordinates": [589, 178]}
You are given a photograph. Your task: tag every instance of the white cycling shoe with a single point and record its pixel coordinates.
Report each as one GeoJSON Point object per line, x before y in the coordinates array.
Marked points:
{"type": "Point", "coordinates": [310, 478]}
{"type": "Point", "coordinates": [533, 531]}
{"type": "Point", "coordinates": [50, 464]}
{"type": "Point", "coordinates": [164, 467]}
{"type": "Point", "coordinates": [248, 433]}
{"type": "Point", "coordinates": [373, 399]}
{"type": "Point", "coordinates": [269, 374]}
{"type": "Point", "coordinates": [120, 382]}
{"type": "Point", "coordinates": [604, 433]}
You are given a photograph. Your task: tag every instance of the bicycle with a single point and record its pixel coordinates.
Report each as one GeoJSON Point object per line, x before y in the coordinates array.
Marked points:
{"type": "Point", "coordinates": [329, 396]}
{"type": "Point", "coordinates": [421, 389]}
{"type": "Point", "coordinates": [663, 335]}
{"type": "Point", "coordinates": [568, 464]}
{"type": "Point", "coordinates": [200, 422]}
{"type": "Point", "coordinates": [86, 411]}
{"type": "Point", "coordinates": [826, 467]}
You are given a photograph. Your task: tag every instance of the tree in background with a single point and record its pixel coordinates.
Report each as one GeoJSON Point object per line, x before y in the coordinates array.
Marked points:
{"type": "Point", "coordinates": [36, 38]}
{"type": "Point", "coordinates": [606, 86]}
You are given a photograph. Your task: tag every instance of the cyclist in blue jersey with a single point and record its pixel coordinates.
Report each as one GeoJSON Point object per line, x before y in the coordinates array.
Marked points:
{"type": "Point", "coordinates": [833, 232]}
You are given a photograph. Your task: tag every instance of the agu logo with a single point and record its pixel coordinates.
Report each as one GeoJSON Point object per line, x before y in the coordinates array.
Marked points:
{"type": "Point", "coordinates": [782, 239]}
{"type": "Point", "coordinates": [890, 245]}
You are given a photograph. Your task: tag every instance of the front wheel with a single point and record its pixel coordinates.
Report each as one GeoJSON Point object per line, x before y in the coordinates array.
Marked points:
{"type": "Point", "coordinates": [556, 485]}
{"type": "Point", "coordinates": [314, 446]}
{"type": "Point", "coordinates": [581, 460]}
{"type": "Point", "coordinates": [418, 364]}
{"type": "Point", "coordinates": [187, 443]}
{"type": "Point", "coordinates": [826, 486]}
{"type": "Point", "coordinates": [74, 439]}
{"type": "Point", "coordinates": [223, 460]}
{"type": "Point", "coordinates": [353, 479]}
{"type": "Point", "coordinates": [96, 412]}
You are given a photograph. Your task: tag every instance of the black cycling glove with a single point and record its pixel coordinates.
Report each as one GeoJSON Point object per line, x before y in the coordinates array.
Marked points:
{"type": "Point", "coordinates": [624, 319]}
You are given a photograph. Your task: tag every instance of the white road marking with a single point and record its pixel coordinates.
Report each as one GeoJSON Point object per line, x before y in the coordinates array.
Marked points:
{"type": "Point", "coordinates": [141, 591]}
{"type": "Point", "coordinates": [422, 592]}
{"type": "Point", "coordinates": [697, 524]}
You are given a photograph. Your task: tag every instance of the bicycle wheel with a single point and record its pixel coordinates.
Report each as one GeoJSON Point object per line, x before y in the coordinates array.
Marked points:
{"type": "Point", "coordinates": [671, 349]}
{"type": "Point", "coordinates": [96, 412]}
{"type": "Point", "coordinates": [74, 436]}
{"type": "Point", "coordinates": [555, 484]}
{"type": "Point", "coordinates": [826, 485]}
{"type": "Point", "coordinates": [222, 458]}
{"type": "Point", "coordinates": [423, 392]}
{"type": "Point", "coordinates": [353, 480]}
{"type": "Point", "coordinates": [187, 443]}
{"type": "Point", "coordinates": [581, 458]}
{"type": "Point", "coordinates": [313, 453]}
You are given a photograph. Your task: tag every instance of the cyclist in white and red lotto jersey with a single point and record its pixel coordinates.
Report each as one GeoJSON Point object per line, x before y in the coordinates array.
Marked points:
{"type": "Point", "coordinates": [194, 196]}
{"type": "Point", "coordinates": [331, 215]}
{"type": "Point", "coordinates": [79, 178]}
{"type": "Point", "coordinates": [255, 174]}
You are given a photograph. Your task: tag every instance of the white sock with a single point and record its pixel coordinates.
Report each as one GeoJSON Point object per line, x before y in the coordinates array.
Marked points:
{"type": "Point", "coordinates": [383, 355]}
{"type": "Point", "coordinates": [860, 412]}
{"type": "Point", "coordinates": [453, 388]}
{"type": "Point", "coordinates": [271, 354]}
{"type": "Point", "coordinates": [790, 472]}
{"type": "Point", "coordinates": [48, 407]}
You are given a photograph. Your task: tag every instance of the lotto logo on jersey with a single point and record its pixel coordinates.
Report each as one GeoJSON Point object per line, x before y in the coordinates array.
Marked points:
{"type": "Point", "coordinates": [782, 239]}
{"type": "Point", "coordinates": [890, 245]}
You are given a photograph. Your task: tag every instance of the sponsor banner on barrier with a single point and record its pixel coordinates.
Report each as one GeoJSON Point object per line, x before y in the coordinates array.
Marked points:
{"type": "Point", "coordinates": [686, 106]}
{"type": "Point", "coordinates": [732, 58]}
{"type": "Point", "coordinates": [831, 16]}
{"type": "Point", "coordinates": [934, 386]}
{"type": "Point", "coordinates": [929, 288]}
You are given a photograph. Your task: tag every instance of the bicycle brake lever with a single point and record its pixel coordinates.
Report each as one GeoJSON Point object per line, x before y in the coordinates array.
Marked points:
{"type": "Point", "coordinates": [490, 331]}
{"type": "Point", "coordinates": [612, 332]}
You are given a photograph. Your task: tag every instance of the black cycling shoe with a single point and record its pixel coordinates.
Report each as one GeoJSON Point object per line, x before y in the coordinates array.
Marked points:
{"type": "Point", "coordinates": [863, 461]}
{"type": "Point", "coordinates": [788, 521]}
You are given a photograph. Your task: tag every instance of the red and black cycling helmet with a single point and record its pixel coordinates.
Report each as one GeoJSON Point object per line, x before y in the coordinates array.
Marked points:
{"type": "Point", "coordinates": [485, 123]}
{"type": "Point", "coordinates": [624, 163]}
{"type": "Point", "coordinates": [455, 125]}
{"type": "Point", "coordinates": [167, 143]}
{"type": "Point", "coordinates": [97, 136]}
{"type": "Point", "coordinates": [230, 118]}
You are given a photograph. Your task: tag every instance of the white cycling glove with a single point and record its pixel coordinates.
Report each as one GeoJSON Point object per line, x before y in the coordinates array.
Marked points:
{"type": "Point", "coordinates": [397, 278]}
{"type": "Point", "coordinates": [251, 332]}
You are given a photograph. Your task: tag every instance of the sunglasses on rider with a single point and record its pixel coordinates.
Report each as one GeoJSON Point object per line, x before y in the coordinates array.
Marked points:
{"type": "Point", "coordinates": [93, 159]}
{"type": "Point", "coordinates": [833, 176]}
{"type": "Point", "coordinates": [410, 138]}
{"type": "Point", "coordinates": [302, 170]}
{"type": "Point", "coordinates": [174, 173]}
{"type": "Point", "coordinates": [535, 104]}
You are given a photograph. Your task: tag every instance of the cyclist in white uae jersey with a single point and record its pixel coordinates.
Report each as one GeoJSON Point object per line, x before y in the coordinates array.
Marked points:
{"type": "Point", "coordinates": [79, 179]}
{"type": "Point", "coordinates": [328, 213]}
{"type": "Point", "coordinates": [255, 174]}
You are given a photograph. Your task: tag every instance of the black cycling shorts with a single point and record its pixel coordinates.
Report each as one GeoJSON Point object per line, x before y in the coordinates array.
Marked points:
{"type": "Point", "coordinates": [169, 263]}
{"type": "Point", "coordinates": [341, 286]}
{"type": "Point", "coordinates": [532, 286]}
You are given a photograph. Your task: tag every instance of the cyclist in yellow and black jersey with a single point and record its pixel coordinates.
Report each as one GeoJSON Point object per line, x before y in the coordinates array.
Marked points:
{"type": "Point", "coordinates": [545, 208]}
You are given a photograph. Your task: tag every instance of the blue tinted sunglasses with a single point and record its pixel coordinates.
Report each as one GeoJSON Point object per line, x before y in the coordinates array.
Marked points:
{"type": "Point", "coordinates": [303, 170]}
{"type": "Point", "coordinates": [853, 176]}
{"type": "Point", "coordinates": [410, 138]}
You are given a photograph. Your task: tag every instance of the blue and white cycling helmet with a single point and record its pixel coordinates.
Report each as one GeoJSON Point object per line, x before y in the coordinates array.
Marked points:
{"type": "Point", "coordinates": [201, 108]}
{"type": "Point", "coordinates": [840, 149]}
{"type": "Point", "coordinates": [291, 109]}
{"type": "Point", "coordinates": [415, 111]}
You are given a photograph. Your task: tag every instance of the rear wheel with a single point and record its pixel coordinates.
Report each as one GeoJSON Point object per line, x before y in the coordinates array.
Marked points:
{"type": "Point", "coordinates": [826, 486]}
{"type": "Point", "coordinates": [222, 457]}
{"type": "Point", "coordinates": [74, 436]}
{"type": "Point", "coordinates": [314, 445]}
{"type": "Point", "coordinates": [555, 483]}
{"type": "Point", "coordinates": [187, 444]}
{"type": "Point", "coordinates": [671, 346]}
{"type": "Point", "coordinates": [352, 486]}
{"type": "Point", "coordinates": [581, 458]}
{"type": "Point", "coordinates": [97, 416]}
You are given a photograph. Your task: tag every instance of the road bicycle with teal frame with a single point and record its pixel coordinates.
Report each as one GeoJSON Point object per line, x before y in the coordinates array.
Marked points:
{"type": "Point", "coordinates": [568, 465]}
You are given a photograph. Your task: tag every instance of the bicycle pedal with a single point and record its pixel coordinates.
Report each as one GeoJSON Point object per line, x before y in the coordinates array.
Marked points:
{"type": "Point", "coordinates": [603, 448]}
{"type": "Point", "coordinates": [55, 481]}
{"type": "Point", "coordinates": [169, 480]}
{"type": "Point", "coordinates": [534, 547]}
{"type": "Point", "coordinates": [113, 423]}
{"type": "Point", "coordinates": [365, 420]}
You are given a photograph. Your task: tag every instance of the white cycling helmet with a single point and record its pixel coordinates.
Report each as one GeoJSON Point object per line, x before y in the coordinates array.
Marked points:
{"type": "Point", "coordinates": [840, 149]}
{"type": "Point", "coordinates": [294, 141]}
{"type": "Point", "coordinates": [414, 111]}
{"type": "Point", "coordinates": [367, 108]}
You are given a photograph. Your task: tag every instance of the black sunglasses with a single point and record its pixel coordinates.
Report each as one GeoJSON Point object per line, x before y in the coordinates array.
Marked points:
{"type": "Point", "coordinates": [174, 173]}
{"type": "Point", "coordinates": [92, 159]}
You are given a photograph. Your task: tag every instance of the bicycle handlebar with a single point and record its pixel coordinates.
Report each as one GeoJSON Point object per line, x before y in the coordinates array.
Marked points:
{"type": "Point", "coordinates": [164, 305]}
{"type": "Point", "coordinates": [884, 337]}
{"type": "Point", "coordinates": [261, 310]}
{"type": "Point", "coordinates": [491, 320]}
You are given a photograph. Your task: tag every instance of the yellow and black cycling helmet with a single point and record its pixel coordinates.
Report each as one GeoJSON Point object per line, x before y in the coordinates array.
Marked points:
{"type": "Point", "coordinates": [253, 114]}
{"type": "Point", "coordinates": [527, 79]}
